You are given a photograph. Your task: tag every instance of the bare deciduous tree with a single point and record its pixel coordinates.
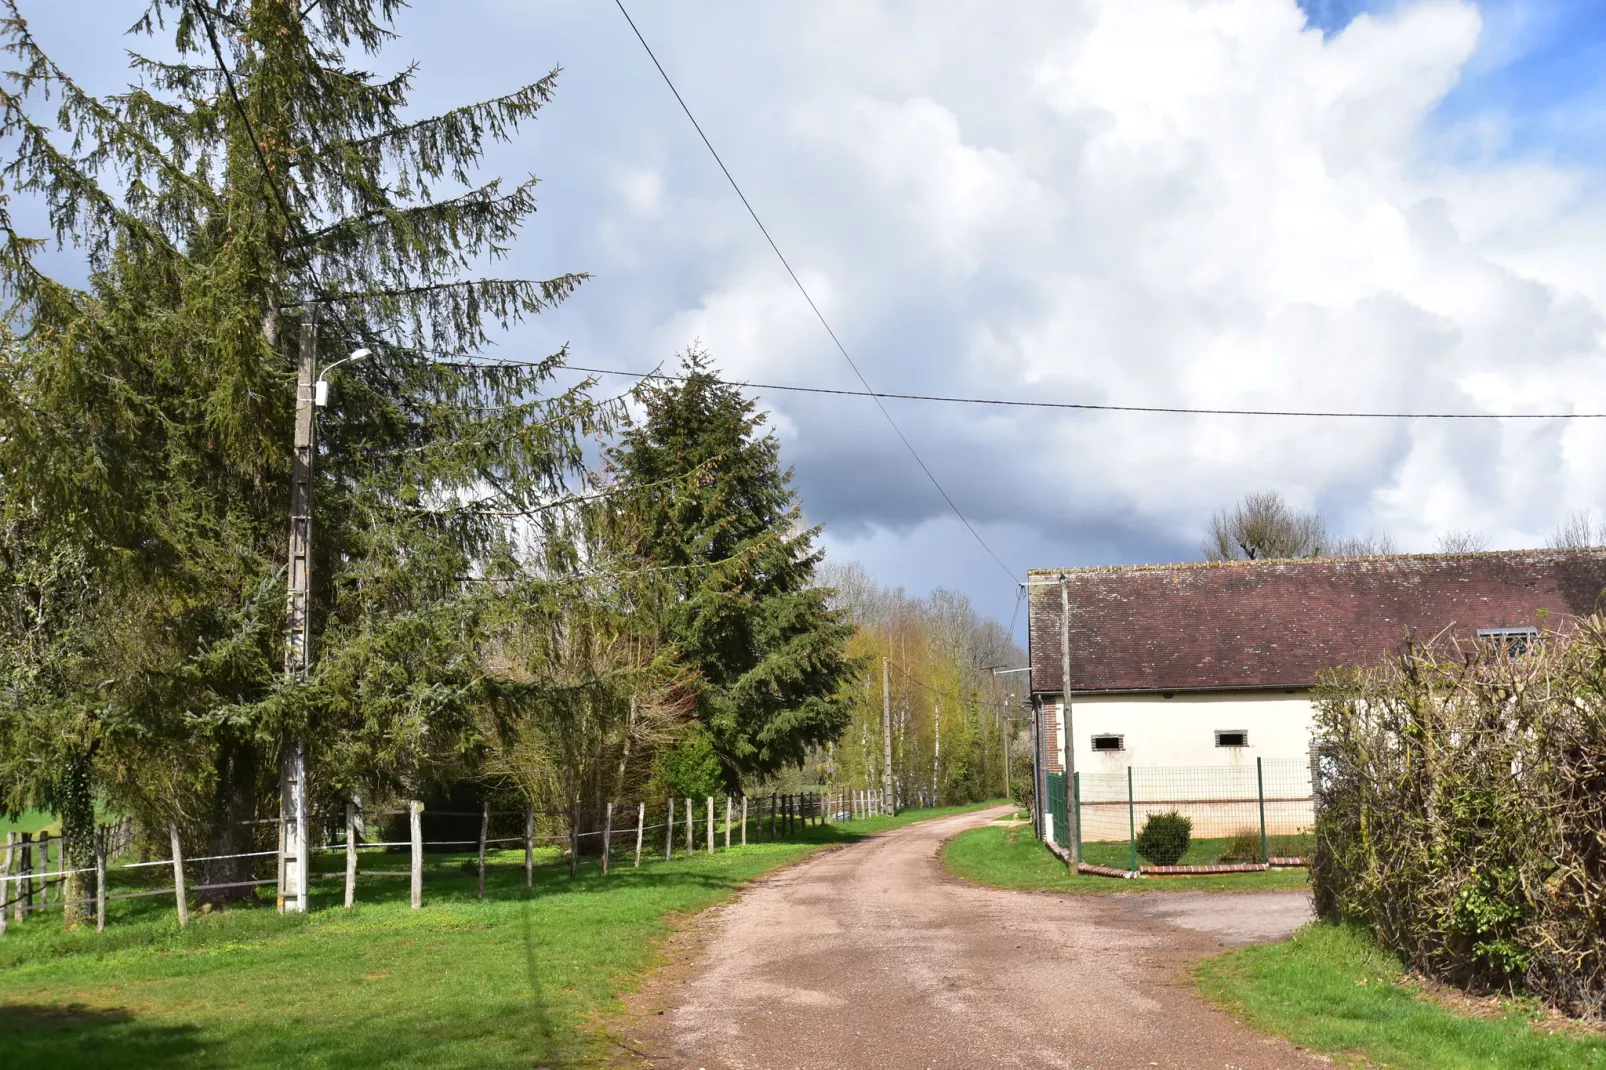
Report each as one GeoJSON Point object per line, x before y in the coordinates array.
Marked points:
{"type": "Point", "coordinates": [1263, 525]}
{"type": "Point", "coordinates": [1458, 541]}
{"type": "Point", "coordinates": [1578, 531]}
{"type": "Point", "coordinates": [1368, 545]}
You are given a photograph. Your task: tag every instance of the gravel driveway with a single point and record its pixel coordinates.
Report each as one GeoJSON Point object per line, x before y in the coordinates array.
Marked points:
{"type": "Point", "coordinates": [870, 957]}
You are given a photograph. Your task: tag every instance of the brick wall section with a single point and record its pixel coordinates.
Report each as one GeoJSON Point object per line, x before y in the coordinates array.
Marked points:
{"type": "Point", "coordinates": [1051, 737]}
{"type": "Point", "coordinates": [1280, 623]}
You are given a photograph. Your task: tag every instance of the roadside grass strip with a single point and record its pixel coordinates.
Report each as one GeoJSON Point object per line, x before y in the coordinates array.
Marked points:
{"type": "Point", "coordinates": [1332, 990]}
{"type": "Point", "coordinates": [518, 979]}
{"type": "Point", "coordinates": [1002, 856]}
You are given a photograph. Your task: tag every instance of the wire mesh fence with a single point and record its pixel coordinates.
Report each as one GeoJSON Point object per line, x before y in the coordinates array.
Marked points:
{"type": "Point", "coordinates": [1248, 816]}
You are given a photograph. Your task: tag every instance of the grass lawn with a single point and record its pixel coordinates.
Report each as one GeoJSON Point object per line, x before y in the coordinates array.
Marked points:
{"type": "Point", "coordinates": [1332, 990]}
{"type": "Point", "coordinates": [516, 980]}
{"type": "Point", "coordinates": [1202, 851]}
{"type": "Point", "coordinates": [29, 821]}
{"type": "Point", "coordinates": [1010, 857]}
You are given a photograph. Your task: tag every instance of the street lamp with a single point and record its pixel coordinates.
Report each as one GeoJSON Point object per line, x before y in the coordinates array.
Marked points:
{"type": "Point", "coordinates": [320, 389]}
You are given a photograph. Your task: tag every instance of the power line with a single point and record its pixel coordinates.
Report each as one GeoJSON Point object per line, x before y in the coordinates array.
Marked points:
{"type": "Point", "coordinates": [961, 699]}
{"type": "Point", "coordinates": [807, 297]}
{"type": "Point", "coordinates": [1088, 406]}
{"type": "Point", "coordinates": [1178, 410]}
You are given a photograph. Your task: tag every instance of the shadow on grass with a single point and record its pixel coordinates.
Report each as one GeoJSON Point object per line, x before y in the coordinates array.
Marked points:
{"type": "Point", "coordinates": [76, 1035]}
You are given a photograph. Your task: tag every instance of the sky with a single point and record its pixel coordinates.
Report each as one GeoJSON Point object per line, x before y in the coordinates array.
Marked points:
{"type": "Point", "coordinates": [1392, 205]}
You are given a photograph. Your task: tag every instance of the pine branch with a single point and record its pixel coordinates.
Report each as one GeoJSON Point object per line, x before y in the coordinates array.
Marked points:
{"type": "Point", "coordinates": [449, 143]}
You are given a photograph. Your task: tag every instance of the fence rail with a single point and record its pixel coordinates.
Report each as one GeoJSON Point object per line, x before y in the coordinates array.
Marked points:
{"type": "Point", "coordinates": [29, 884]}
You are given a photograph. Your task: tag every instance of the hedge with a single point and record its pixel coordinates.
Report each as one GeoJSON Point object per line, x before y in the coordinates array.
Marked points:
{"type": "Point", "coordinates": [1461, 793]}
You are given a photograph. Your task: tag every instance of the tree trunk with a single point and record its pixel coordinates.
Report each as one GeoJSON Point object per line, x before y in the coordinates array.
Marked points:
{"type": "Point", "coordinates": [77, 804]}
{"type": "Point", "coordinates": [234, 803]}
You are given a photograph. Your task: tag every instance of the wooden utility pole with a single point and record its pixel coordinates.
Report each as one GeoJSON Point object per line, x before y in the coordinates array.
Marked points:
{"type": "Point", "coordinates": [1068, 737]}
{"type": "Point", "coordinates": [1003, 741]}
{"type": "Point", "coordinates": [297, 654]}
{"type": "Point", "coordinates": [886, 734]}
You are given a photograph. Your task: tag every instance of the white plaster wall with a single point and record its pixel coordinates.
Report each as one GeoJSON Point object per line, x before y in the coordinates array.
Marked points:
{"type": "Point", "coordinates": [1181, 730]}
{"type": "Point", "coordinates": [1170, 745]}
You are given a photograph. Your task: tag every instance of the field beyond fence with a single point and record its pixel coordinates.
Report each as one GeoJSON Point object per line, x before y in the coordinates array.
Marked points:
{"type": "Point", "coordinates": [352, 849]}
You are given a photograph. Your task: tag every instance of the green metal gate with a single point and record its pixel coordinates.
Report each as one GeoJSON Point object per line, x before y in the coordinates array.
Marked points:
{"type": "Point", "coordinates": [1057, 809]}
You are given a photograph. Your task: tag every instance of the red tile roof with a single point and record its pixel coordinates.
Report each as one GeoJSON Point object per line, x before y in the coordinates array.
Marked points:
{"type": "Point", "coordinates": [1254, 624]}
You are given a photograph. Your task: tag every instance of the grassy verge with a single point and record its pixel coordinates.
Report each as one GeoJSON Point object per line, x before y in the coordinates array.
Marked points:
{"type": "Point", "coordinates": [510, 981]}
{"type": "Point", "coordinates": [1010, 857]}
{"type": "Point", "coordinates": [1202, 851]}
{"type": "Point", "coordinates": [1332, 990]}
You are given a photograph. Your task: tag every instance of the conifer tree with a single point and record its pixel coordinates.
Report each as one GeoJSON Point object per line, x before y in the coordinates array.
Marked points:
{"type": "Point", "coordinates": [145, 419]}
{"type": "Point", "coordinates": [769, 653]}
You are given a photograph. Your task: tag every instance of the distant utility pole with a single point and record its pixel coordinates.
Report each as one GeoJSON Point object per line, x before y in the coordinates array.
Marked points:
{"type": "Point", "coordinates": [1003, 740]}
{"type": "Point", "coordinates": [293, 771]}
{"type": "Point", "coordinates": [886, 734]}
{"type": "Point", "coordinates": [1005, 722]}
{"type": "Point", "coordinates": [1068, 737]}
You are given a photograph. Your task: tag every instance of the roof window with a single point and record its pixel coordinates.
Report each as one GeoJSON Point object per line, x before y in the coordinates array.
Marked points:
{"type": "Point", "coordinates": [1515, 641]}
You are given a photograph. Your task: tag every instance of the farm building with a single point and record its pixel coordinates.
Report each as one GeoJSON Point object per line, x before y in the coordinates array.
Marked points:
{"type": "Point", "coordinates": [1201, 675]}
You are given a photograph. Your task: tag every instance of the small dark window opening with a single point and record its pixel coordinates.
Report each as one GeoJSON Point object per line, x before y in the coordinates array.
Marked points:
{"type": "Point", "coordinates": [1232, 739]}
{"type": "Point", "coordinates": [1514, 641]}
{"type": "Point", "coordinates": [1106, 743]}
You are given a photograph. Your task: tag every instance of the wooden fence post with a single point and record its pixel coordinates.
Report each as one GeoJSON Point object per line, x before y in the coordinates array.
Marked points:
{"type": "Point", "coordinates": [178, 876]}
{"type": "Point", "coordinates": [279, 877]}
{"type": "Point", "coordinates": [44, 869]}
{"type": "Point", "coordinates": [773, 799]}
{"type": "Point", "coordinates": [744, 820]}
{"type": "Point", "coordinates": [5, 884]}
{"type": "Point", "coordinates": [691, 831]}
{"type": "Point", "coordinates": [669, 833]}
{"type": "Point", "coordinates": [351, 856]}
{"type": "Point", "coordinates": [102, 835]}
{"type": "Point", "coordinates": [607, 837]}
{"type": "Point", "coordinates": [529, 845]}
{"type": "Point", "coordinates": [485, 828]}
{"type": "Point", "coordinates": [24, 900]}
{"type": "Point", "coordinates": [574, 838]}
{"type": "Point", "coordinates": [710, 824]}
{"type": "Point", "coordinates": [415, 821]}
{"type": "Point", "coordinates": [641, 826]}
{"type": "Point", "coordinates": [727, 822]}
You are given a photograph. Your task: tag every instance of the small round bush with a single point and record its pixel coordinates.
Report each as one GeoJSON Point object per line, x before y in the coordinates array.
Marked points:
{"type": "Point", "coordinates": [1164, 839]}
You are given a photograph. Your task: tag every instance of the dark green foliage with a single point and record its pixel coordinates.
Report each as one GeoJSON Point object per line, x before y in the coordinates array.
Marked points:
{"type": "Point", "coordinates": [688, 770]}
{"type": "Point", "coordinates": [739, 602]}
{"type": "Point", "coordinates": [1164, 838]}
{"type": "Point", "coordinates": [1462, 797]}
{"type": "Point", "coordinates": [145, 423]}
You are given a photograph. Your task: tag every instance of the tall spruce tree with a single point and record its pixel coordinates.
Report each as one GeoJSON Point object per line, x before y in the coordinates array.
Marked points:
{"type": "Point", "coordinates": [145, 421]}
{"type": "Point", "coordinates": [739, 601]}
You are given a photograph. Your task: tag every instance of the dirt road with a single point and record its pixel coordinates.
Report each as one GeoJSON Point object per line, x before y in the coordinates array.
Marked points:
{"type": "Point", "coordinates": [872, 958]}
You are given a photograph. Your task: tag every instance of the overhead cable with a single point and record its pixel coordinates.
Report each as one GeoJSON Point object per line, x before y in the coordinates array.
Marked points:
{"type": "Point", "coordinates": [807, 297]}
{"type": "Point", "coordinates": [1089, 406]}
